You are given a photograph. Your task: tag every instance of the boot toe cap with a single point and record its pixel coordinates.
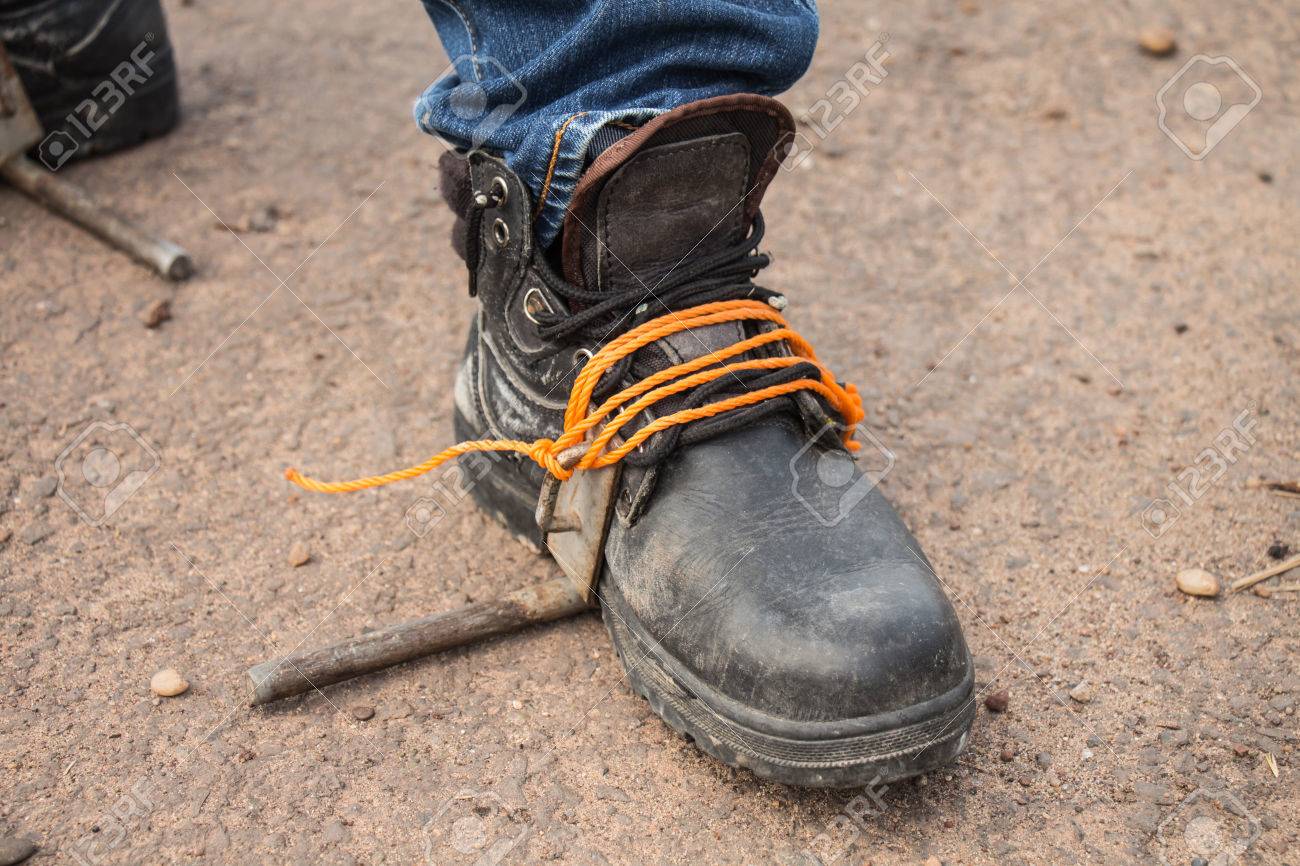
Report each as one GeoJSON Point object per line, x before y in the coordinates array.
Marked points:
{"type": "Point", "coordinates": [785, 618]}
{"type": "Point", "coordinates": [866, 643]}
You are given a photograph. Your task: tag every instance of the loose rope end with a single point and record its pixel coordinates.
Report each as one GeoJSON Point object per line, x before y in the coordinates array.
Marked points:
{"type": "Point", "coordinates": [547, 453]}
{"type": "Point", "coordinates": [539, 450]}
{"type": "Point", "coordinates": [293, 476]}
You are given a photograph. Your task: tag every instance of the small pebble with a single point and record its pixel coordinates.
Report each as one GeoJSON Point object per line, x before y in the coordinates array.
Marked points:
{"type": "Point", "coordinates": [1157, 41]}
{"type": "Point", "coordinates": [1279, 550]}
{"type": "Point", "coordinates": [1081, 693]}
{"type": "Point", "coordinates": [1043, 759]}
{"type": "Point", "coordinates": [156, 313]}
{"type": "Point", "coordinates": [1198, 582]}
{"type": "Point", "coordinates": [167, 683]}
{"type": "Point", "coordinates": [1006, 756]}
{"type": "Point", "coordinates": [35, 533]}
{"type": "Point", "coordinates": [14, 849]}
{"type": "Point", "coordinates": [299, 555]}
{"type": "Point", "coordinates": [998, 701]}
{"type": "Point", "coordinates": [362, 714]}
{"type": "Point", "coordinates": [264, 219]}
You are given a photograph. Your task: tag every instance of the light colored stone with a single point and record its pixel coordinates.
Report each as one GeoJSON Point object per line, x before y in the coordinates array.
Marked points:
{"type": "Point", "coordinates": [1082, 692]}
{"type": "Point", "coordinates": [1157, 41]}
{"type": "Point", "coordinates": [14, 849]}
{"type": "Point", "coordinates": [1198, 582]}
{"type": "Point", "coordinates": [299, 555]}
{"type": "Point", "coordinates": [167, 683]}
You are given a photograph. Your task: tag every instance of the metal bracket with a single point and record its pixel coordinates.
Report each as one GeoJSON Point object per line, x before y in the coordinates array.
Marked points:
{"type": "Point", "coordinates": [574, 517]}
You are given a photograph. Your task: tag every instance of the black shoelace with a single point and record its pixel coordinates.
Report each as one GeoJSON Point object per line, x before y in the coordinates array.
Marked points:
{"type": "Point", "coordinates": [596, 317]}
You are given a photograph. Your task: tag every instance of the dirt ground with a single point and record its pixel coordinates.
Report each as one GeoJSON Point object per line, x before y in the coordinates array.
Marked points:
{"type": "Point", "coordinates": [1053, 312]}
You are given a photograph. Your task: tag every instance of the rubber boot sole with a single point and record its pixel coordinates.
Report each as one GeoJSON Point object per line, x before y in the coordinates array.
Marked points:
{"type": "Point", "coordinates": [868, 751]}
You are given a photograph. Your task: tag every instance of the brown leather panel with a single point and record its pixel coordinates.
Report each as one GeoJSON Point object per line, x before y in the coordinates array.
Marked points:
{"type": "Point", "coordinates": [608, 162]}
{"type": "Point", "coordinates": [667, 202]}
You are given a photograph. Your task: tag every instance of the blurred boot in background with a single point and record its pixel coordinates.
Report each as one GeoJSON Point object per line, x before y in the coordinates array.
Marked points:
{"type": "Point", "coordinates": [101, 76]}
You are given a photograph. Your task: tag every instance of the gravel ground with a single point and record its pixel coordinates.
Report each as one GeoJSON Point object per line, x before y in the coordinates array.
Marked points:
{"type": "Point", "coordinates": [1053, 313]}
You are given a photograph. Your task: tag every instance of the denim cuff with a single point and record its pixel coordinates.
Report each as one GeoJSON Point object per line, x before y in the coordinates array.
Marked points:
{"type": "Point", "coordinates": [535, 83]}
{"type": "Point", "coordinates": [553, 178]}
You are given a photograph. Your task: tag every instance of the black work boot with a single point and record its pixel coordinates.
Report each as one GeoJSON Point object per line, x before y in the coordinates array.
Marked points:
{"type": "Point", "coordinates": [761, 592]}
{"type": "Point", "coordinates": [101, 76]}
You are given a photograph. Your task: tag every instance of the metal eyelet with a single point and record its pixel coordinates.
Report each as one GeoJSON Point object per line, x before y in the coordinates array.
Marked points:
{"type": "Point", "coordinates": [500, 190]}
{"type": "Point", "coordinates": [501, 232]}
{"type": "Point", "coordinates": [582, 356]}
{"type": "Point", "coordinates": [535, 302]}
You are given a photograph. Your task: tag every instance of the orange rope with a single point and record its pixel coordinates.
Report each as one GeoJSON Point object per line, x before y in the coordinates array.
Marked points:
{"type": "Point", "coordinates": [580, 419]}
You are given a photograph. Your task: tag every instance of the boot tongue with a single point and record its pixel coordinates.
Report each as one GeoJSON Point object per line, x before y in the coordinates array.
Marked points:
{"type": "Point", "coordinates": [688, 183]}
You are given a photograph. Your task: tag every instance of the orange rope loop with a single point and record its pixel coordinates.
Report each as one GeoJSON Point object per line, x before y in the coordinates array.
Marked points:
{"type": "Point", "coordinates": [580, 420]}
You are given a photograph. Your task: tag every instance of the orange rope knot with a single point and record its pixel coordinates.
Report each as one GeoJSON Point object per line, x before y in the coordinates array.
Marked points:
{"type": "Point", "coordinates": [580, 419]}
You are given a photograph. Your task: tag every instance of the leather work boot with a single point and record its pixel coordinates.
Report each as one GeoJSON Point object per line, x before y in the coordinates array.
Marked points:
{"type": "Point", "coordinates": [100, 76]}
{"type": "Point", "coordinates": [762, 594]}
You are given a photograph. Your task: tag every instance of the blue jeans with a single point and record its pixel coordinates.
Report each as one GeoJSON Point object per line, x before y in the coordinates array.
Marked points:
{"type": "Point", "coordinates": [538, 81]}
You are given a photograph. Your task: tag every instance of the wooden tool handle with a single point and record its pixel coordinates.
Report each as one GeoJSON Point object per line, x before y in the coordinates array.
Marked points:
{"type": "Point", "coordinates": [376, 650]}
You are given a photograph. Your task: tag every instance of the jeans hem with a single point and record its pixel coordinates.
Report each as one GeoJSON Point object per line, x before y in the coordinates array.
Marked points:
{"type": "Point", "coordinates": [553, 184]}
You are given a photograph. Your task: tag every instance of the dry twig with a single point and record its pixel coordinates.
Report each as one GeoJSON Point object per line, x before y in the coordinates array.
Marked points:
{"type": "Point", "coordinates": [1246, 582]}
{"type": "Point", "coordinates": [1289, 489]}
